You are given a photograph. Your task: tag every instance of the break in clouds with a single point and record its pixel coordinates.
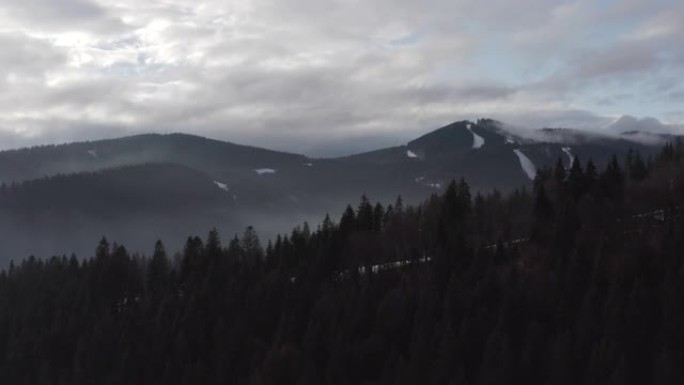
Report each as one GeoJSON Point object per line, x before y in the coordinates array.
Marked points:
{"type": "Point", "coordinates": [316, 76]}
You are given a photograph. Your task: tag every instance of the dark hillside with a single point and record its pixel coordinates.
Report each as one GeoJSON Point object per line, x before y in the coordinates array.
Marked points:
{"type": "Point", "coordinates": [579, 280]}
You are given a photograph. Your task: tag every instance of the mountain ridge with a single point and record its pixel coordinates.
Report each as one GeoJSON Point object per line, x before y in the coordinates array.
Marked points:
{"type": "Point", "coordinates": [232, 186]}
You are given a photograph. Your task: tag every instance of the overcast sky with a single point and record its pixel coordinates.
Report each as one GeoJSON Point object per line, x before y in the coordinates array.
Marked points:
{"type": "Point", "coordinates": [319, 76]}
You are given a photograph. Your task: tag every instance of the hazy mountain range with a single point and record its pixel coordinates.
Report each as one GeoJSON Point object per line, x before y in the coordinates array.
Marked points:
{"type": "Point", "coordinates": [60, 199]}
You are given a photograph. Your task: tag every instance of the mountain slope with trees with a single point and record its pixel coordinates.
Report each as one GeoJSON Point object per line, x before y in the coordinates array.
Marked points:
{"type": "Point", "coordinates": [96, 188]}
{"type": "Point", "coordinates": [578, 280]}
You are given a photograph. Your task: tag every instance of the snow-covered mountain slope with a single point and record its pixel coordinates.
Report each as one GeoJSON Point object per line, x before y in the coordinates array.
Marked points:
{"type": "Point", "coordinates": [526, 164]}
{"type": "Point", "coordinates": [568, 152]}
{"type": "Point", "coordinates": [478, 141]}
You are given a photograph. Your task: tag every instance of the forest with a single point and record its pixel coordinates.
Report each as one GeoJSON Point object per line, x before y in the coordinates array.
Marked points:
{"type": "Point", "coordinates": [578, 280]}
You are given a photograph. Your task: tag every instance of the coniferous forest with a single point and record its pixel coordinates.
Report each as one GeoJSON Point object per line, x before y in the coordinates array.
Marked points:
{"type": "Point", "coordinates": [578, 280]}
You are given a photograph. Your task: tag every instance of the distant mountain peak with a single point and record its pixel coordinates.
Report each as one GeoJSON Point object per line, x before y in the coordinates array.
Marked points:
{"type": "Point", "coordinates": [452, 137]}
{"type": "Point", "coordinates": [648, 125]}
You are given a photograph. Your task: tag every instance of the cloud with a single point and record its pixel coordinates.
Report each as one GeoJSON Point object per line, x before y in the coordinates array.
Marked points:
{"type": "Point", "coordinates": [617, 60]}
{"type": "Point", "coordinates": [315, 76]}
{"type": "Point", "coordinates": [646, 125]}
{"type": "Point", "coordinates": [25, 57]}
{"type": "Point", "coordinates": [61, 15]}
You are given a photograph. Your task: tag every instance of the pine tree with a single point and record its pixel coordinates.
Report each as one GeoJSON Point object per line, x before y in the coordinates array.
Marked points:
{"type": "Point", "coordinates": [364, 215]}
{"type": "Point", "coordinates": [678, 149]}
{"type": "Point", "coordinates": [464, 197]}
{"type": "Point", "coordinates": [590, 174]}
{"type": "Point", "coordinates": [348, 221]}
{"type": "Point", "coordinates": [213, 245]}
{"type": "Point", "coordinates": [102, 251]}
{"type": "Point", "coordinates": [235, 249]}
{"type": "Point", "coordinates": [399, 205]}
{"type": "Point", "coordinates": [251, 247]}
{"type": "Point", "coordinates": [559, 173]}
{"type": "Point", "coordinates": [158, 271]}
{"type": "Point", "coordinates": [378, 217]}
{"type": "Point", "coordinates": [637, 169]}
{"type": "Point", "coordinates": [613, 178]}
{"type": "Point", "coordinates": [576, 180]}
{"type": "Point", "coordinates": [328, 225]}
{"type": "Point", "coordinates": [192, 262]}
{"type": "Point", "coordinates": [629, 159]}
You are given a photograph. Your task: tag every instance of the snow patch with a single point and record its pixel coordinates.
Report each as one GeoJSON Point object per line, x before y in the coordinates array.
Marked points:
{"type": "Point", "coordinates": [658, 215]}
{"type": "Point", "coordinates": [93, 153]}
{"type": "Point", "coordinates": [388, 266]}
{"type": "Point", "coordinates": [510, 141]}
{"type": "Point", "coordinates": [308, 164]}
{"type": "Point", "coordinates": [571, 159]}
{"type": "Point", "coordinates": [421, 180]}
{"type": "Point", "coordinates": [222, 186]}
{"type": "Point", "coordinates": [225, 188]}
{"type": "Point", "coordinates": [379, 268]}
{"type": "Point", "coordinates": [507, 244]}
{"type": "Point", "coordinates": [526, 164]}
{"type": "Point", "coordinates": [263, 171]}
{"type": "Point", "coordinates": [478, 141]}
{"type": "Point", "coordinates": [411, 154]}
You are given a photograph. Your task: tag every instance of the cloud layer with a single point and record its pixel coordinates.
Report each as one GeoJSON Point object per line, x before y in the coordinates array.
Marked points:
{"type": "Point", "coordinates": [331, 76]}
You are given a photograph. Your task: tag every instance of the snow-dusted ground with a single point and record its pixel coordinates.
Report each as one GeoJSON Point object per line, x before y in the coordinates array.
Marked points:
{"type": "Point", "coordinates": [571, 158]}
{"type": "Point", "coordinates": [658, 215]}
{"type": "Point", "coordinates": [390, 266]}
{"type": "Point", "coordinates": [222, 186]}
{"type": "Point", "coordinates": [421, 180]}
{"type": "Point", "coordinates": [478, 141]}
{"type": "Point", "coordinates": [509, 243]}
{"type": "Point", "coordinates": [263, 171]}
{"type": "Point", "coordinates": [526, 164]}
{"type": "Point", "coordinates": [92, 153]}
{"type": "Point", "coordinates": [374, 269]}
{"type": "Point", "coordinates": [411, 154]}
{"type": "Point", "coordinates": [225, 188]}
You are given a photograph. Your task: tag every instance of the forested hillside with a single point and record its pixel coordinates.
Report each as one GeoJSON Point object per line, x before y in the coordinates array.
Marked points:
{"type": "Point", "coordinates": [578, 281]}
{"type": "Point", "coordinates": [56, 199]}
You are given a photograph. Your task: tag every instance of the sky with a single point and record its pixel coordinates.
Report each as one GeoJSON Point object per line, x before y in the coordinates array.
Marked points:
{"type": "Point", "coordinates": [329, 77]}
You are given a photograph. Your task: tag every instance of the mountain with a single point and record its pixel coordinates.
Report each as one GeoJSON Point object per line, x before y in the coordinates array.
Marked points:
{"type": "Point", "coordinates": [68, 196]}
{"type": "Point", "coordinates": [63, 214]}
{"type": "Point", "coordinates": [491, 157]}
{"type": "Point", "coordinates": [580, 281]}
{"type": "Point", "coordinates": [212, 156]}
{"type": "Point", "coordinates": [631, 124]}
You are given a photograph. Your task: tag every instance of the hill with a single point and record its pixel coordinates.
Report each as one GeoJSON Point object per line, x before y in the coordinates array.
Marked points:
{"type": "Point", "coordinates": [577, 281]}
{"type": "Point", "coordinates": [67, 195]}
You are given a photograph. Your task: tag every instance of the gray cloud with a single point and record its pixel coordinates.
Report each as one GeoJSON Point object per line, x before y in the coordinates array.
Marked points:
{"type": "Point", "coordinates": [338, 74]}
{"type": "Point", "coordinates": [618, 60]}
{"type": "Point", "coordinates": [23, 56]}
{"type": "Point", "coordinates": [562, 118]}
{"type": "Point", "coordinates": [63, 15]}
{"type": "Point", "coordinates": [646, 125]}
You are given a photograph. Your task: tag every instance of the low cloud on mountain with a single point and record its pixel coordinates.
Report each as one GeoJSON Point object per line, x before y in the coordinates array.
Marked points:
{"type": "Point", "coordinates": [648, 125]}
